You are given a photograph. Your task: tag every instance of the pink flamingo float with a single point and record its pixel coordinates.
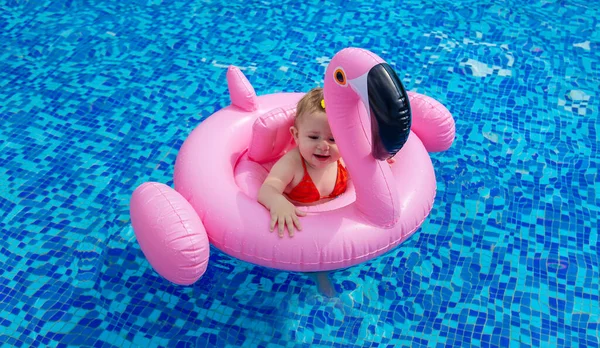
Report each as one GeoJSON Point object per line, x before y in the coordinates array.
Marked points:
{"type": "Point", "coordinates": [223, 162]}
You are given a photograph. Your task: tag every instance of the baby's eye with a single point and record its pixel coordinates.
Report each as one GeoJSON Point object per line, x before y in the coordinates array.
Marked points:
{"type": "Point", "coordinates": [313, 137]}
{"type": "Point", "coordinates": [332, 140]}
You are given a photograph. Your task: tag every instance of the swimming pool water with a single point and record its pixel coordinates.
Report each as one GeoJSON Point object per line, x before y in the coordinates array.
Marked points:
{"type": "Point", "coordinates": [96, 97]}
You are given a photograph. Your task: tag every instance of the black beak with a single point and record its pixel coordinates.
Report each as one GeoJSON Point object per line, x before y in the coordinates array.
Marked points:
{"type": "Point", "coordinates": [389, 110]}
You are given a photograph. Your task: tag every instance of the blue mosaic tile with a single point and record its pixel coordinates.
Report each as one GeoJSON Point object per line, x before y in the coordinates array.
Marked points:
{"type": "Point", "coordinates": [97, 97]}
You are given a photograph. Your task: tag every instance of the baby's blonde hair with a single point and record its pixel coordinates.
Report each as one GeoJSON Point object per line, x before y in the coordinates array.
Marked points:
{"type": "Point", "coordinates": [310, 103]}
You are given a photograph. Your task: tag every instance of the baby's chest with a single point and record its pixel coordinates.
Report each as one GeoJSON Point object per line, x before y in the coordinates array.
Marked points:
{"type": "Point", "coordinates": [322, 181]}
{"type": "Point", "coordinates": [325, 185]}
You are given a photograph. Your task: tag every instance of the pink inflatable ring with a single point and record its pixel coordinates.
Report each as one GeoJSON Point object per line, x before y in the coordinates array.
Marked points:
{"type": "Point", "coordinates": [223, 162]}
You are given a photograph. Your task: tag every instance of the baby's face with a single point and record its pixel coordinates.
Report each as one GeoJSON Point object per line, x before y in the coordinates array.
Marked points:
{"type": "Point", "coordinates": [315, 141]}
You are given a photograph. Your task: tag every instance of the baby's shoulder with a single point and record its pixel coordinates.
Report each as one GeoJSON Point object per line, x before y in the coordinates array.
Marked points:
{"type": "Point", "coordinates": [291, 157]}
{"type": "Point", "coordinates": [292, 161]}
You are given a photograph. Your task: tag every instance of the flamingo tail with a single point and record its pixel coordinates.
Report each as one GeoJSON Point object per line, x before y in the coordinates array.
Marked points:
{"type": "Point", "coordinates": [240, 90]}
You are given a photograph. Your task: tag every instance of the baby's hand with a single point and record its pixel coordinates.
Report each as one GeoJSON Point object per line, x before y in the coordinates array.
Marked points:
{"type": "Point", "coordinates": [285, 213]}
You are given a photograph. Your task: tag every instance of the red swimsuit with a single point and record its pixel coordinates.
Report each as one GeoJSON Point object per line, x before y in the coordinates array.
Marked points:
{"type": "Point", "coordinates": [307, 192]}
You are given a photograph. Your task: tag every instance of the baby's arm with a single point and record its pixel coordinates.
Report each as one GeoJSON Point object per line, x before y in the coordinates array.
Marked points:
{"type": "Point", "coordinates": [283, 212]}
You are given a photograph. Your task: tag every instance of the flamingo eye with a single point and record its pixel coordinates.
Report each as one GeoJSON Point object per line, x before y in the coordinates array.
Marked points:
{"type": "Point", "coordinates": [340, 77]}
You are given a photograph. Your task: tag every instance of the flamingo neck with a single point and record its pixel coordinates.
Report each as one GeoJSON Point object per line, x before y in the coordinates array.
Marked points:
{"type": "Point", "coordinates": [376, 194]}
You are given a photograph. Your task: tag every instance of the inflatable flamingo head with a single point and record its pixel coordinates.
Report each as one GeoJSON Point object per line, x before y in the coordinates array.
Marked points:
{"type": "Point", "coordinates": [355, 75]}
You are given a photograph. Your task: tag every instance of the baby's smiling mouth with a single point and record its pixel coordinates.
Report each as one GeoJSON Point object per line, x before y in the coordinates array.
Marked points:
{"type": "Point", "coordinates": [321, 157]}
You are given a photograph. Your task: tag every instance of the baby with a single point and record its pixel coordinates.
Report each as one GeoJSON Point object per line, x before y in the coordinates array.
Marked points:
{"type": "Point", "coordinates": [309, 174]}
